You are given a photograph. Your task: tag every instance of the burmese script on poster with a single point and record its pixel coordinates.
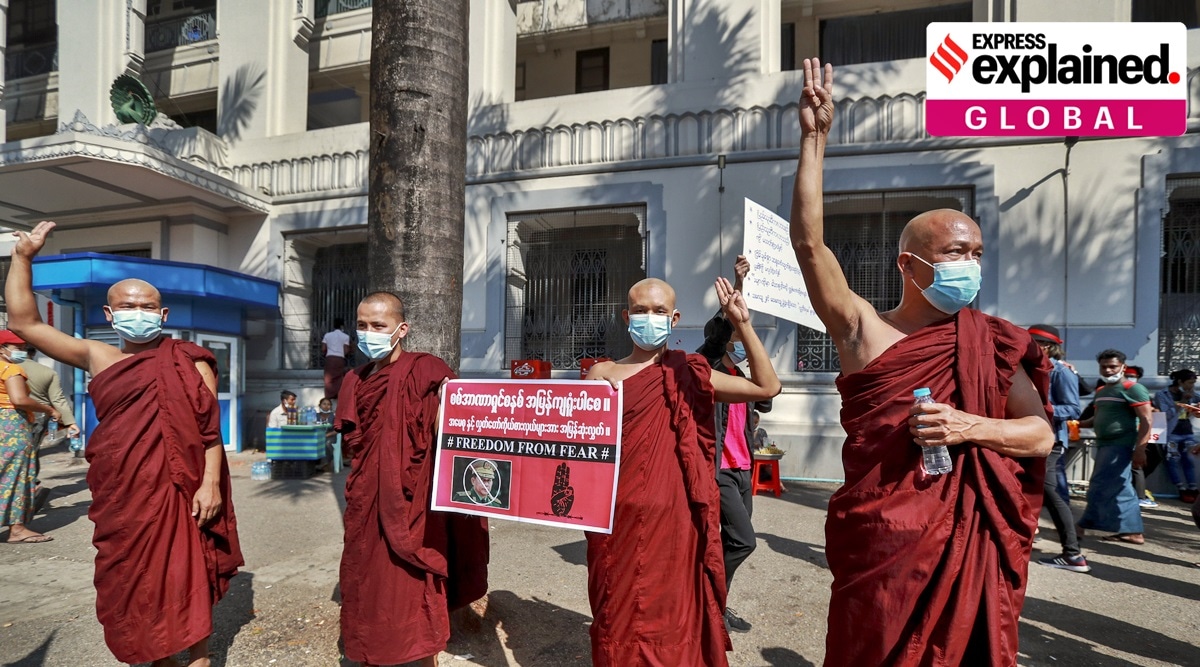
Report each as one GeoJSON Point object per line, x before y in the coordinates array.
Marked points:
{"type": "Point", "coordinates": [775, 285]}
{"type": "Point", "coordinates": [539, 451]}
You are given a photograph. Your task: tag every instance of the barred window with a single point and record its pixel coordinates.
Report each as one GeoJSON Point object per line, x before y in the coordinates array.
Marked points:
{"type": "Point", "coordinates": [567, 279]}
{"type": "Point", "coordinates": [863, 230]}
{"type": "Point", "coordinates": [339, 283]}
{"type": "Point", "coordinates": [1179, 303]}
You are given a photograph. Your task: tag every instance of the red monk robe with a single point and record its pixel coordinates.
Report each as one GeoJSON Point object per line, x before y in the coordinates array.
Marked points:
{"type": "Point", "coordinates": [157, 574]}
{"type": "Point", "coordinates": [931, 570]}
{"type": "Point", "coordinates": [657, 583]}
{"type": "Point", "coordinates": [404, 568]}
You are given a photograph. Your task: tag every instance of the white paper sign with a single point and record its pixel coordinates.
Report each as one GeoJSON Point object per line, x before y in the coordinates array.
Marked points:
{"type": "Point", "coordinates": [1158, 427]}
{"type": "Point", "coordinates": [775, 285]}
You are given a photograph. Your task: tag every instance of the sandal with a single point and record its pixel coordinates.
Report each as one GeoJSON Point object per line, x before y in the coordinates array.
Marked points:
{"type": "Point", "coordinates": [1127, 538]}
{"type": "Point", "coordinates": [30, 539]}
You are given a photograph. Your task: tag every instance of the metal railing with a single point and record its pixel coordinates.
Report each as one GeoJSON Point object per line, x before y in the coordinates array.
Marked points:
{"type": "Point", "coordinates": [31, 61]}
{"type": "Point", "coordinates": [181, 31]}
{"type": "Point", "coordinates": [327, 7]}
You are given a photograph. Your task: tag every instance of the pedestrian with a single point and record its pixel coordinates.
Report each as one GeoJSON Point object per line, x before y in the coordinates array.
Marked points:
{"type": "Point", "coordinates": [285, 412]}
{"type": "Point", "coordinates": [335, 347]}
{"type": "Point", "coordinates": [1154, 454]}
{"type": "Point", "coordinates": [404, 568]}
{"type": "Point", "coordinates": [165, 532]}
{"type": "Point", "coordinates": [17, 448]}
{"type": "Point", "coordinates": [1056, 498]}
{"type": "Point", "coordinates": [724, 350]}
{"type": "Point", "coordinates": [1178, 403]}
{"type": "Point", "coordinates": [45, 387]}
{"type": "Point", "coordinates": [761, 439]}
{"type": "Point", "coordinates": [657, 584]}
{"type": "Point", "coordinates": [1122, 425]}
{"type": "Point", "coordinates": [926, 569]}
{"type": "Point", "coordinates": [325, 411]}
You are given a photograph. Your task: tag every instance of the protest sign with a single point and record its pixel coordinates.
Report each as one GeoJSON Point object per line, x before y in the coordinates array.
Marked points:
{"type": "Point", "coordinates": [775, 285]}
{"type": "Point", "coordinates": [540, 451]}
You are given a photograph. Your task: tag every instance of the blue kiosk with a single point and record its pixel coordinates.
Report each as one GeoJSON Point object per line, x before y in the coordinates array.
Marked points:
{"type": "Point", "coordinates": [208, 306]}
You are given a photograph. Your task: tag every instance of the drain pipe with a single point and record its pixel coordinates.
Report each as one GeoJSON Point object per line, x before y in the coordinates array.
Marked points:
{"type": "Point", "coordinates": [81, 415]}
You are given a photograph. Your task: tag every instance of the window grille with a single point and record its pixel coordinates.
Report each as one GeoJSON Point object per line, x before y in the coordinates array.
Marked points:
{"type": "Point", "coordinates": [863, 231]}
{"type": "Point", "coordinates": [1179, 303]}
{"type": "Point", "coordinates": [884, 36]}
{"type": "Point", "coordinates": [568, 276]}
{"type": "Point", "coordinates": [591, 70]}
{"type": "Point", "coordinates": [339, 283]}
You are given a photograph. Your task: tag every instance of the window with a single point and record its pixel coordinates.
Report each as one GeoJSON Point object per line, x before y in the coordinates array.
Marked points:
{"type": "Point", "coordinates": [1166, 11]}
{"type": "Point", "coordinates": [339, 282]}
{"type": "Point", "coordinates": [884, 35]}
{"type": "Point", "coordinates": [520, 84]}
{"type": "Point", "coordinates": [658, 62]}
{"type": "Point", "coordinates": [787, 47]}
{"type": "Point", "coordinates": [31, 22]}
{"type": "Point", "coordinates": [569, 273]}
{"type": "Point", "coordinates": [591, 70]}
{"type": "Point", "coordinates": [863, 230]}
{"type": "Point", "coordinates": [1179, 303]}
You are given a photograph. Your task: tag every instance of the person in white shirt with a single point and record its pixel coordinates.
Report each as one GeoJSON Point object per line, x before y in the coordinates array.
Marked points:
{"type": "Point", "coordinates": [279, 416]}
{"type": "Point", "coordinates": [334, 348]}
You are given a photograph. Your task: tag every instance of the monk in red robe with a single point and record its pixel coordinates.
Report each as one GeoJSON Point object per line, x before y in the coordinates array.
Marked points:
{"type": "Point", "coordinates": [166, 537]}
{"type": "Point", "coordinates": [657, 583]}
{"type": "Point", "coordinates": [927, 569]}
{"type": "Point", "coordinates": [404, 568]}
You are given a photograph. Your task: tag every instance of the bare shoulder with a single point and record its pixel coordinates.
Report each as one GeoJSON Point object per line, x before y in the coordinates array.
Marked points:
{"type": "Point", "coordinates": [601, 370]}
{"type": "Point", "coordinates": [101, 356]}
{"type": "Point", "coordinates": [873, 336]}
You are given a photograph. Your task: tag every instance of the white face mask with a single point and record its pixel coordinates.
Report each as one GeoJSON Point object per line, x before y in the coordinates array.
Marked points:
{"type": "Point", "coordinates": [1112, 379]}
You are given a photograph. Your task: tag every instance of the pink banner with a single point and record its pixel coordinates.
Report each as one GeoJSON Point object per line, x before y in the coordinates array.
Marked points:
{"type": "Point", "coordinates": [1055, 118]}
{"type": "Point", "coordinates": [540, 451]}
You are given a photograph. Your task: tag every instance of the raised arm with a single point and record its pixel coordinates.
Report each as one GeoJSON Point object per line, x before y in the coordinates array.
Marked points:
{"type": "Point", "coordinates": [23, 316]}
{"type": "Point", "coordinates": [835, 303]}
{"type": "Point", "coordinates": [763, 383]}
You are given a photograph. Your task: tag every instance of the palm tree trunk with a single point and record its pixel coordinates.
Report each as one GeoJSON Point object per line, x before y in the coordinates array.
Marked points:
{"type": "Point", "coordinates": [418, 165]}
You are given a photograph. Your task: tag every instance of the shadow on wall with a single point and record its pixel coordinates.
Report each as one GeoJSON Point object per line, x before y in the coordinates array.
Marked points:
{"type": "Point", "coordinates": [239, 100]}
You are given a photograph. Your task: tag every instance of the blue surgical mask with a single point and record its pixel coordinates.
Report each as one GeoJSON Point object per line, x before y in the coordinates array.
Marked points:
{"type": "Point", "coordinates": [376, 345]}
{"type": "Point", "coordinates": [18, 356]}
{"type": "Point", "coordinates": [137, 326]}
{"type": "Point", "coordinates": [955, 285]}
{"type": "Point", "coordinates": [650, 332]}
{"type": "Point", "coordinates": [738, 354]}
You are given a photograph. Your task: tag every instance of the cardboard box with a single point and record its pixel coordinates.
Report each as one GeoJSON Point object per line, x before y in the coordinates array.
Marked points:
{"type": "Point", "coordinates": [530, 369]}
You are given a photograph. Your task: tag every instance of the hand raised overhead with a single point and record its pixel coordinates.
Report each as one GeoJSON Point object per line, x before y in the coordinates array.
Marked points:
{"type": "Point", "coordinates": [816, 102]}
{"type": "Point", "coordinates": [731, 302]}
{"type": "Point", "coordinates": [30, 243]}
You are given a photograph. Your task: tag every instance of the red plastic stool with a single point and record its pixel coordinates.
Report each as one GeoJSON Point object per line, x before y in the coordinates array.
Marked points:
{"type": "Point", "coordinates": [771, 467]}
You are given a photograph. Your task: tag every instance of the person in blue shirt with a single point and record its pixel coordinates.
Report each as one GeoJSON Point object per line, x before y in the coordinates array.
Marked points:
{"type": "Point", "coordinates": [1064, 398]}
{"type": "Point", "coordinates": [1176, 403]}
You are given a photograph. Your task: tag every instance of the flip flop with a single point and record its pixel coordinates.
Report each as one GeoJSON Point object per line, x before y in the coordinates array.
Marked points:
{"type": "Point", "coordinates": [1122, 537]}
{"type": "Point", "coordinates": [32, 539]}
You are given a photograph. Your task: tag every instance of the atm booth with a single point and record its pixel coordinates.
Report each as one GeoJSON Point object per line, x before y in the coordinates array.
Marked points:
{"type": "Point", "coordinates": [207, 306]}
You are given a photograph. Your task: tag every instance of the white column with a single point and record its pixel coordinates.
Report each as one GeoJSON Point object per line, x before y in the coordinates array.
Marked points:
{"type": "Point", "coordinates": [264, 67]}
{"type": "Point", "coordinates": [706, 39]}
{"type": "Point", "coordinates": [98, 40]}
{"type": "Point", "coordinates": [493, 59]}
{"type": "Point", "coordinates": [3, 53]}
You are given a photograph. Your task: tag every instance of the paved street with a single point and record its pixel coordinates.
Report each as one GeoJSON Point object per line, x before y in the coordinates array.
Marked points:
{"type": "Point", "coordinates": [1138, 606]}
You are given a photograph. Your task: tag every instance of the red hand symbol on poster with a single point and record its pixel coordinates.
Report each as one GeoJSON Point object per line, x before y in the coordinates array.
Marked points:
{"type": "Point", "coordinates": [562, 495]}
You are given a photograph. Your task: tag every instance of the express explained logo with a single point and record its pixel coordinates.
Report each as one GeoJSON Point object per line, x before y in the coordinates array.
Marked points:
{"type": "Point", "coordinates": [949, 58]}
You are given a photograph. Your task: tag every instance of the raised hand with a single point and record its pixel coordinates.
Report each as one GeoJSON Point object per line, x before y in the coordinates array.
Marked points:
{"type": "Point", "coordinates": [816, 102]}
{"type": "Point", "coordinates": [741, 268]}
{"type": "Point", "coordinates": [732, 302]}
{"type": "Point", "coordinates": [30, 243]}
{"type": "Point", "coordinates": [562, 495]}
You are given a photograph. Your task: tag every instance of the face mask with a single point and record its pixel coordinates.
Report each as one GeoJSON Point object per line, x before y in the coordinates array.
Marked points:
{"type": "Point", "coordinates": [955, 285]}
{"type": "Point", "coordinates": [17, 356]}
{"type": "Point", "coordinates": [137, 326]}
{"type": "Point", "coordinates": [376, 345]}
{"type": "Point", "coordinates": [1112, 379]}
{"type": "Point", "coordinates": [738, 354]}
{"type": "Point", "coordinates": [650, 332]}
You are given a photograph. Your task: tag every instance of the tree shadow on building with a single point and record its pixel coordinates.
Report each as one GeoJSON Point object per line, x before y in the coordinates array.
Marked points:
{"type": "Point", "coordinates": [239, 101]}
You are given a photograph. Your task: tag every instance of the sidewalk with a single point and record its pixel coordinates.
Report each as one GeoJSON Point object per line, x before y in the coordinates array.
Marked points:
{"type": "Point", "coordinates": [1138, 606]}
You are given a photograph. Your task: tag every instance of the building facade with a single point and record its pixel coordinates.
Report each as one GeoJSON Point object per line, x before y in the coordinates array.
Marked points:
{"type": "Point", "coordinates": [609, 140]}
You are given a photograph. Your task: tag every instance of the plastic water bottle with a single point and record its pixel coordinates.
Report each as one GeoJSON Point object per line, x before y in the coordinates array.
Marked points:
{"type": "Point", "coordinates": [52, 427]}
{"type": "Point", "coordinates": [76, 443]}
{"type": "Point", "coordinates": [934, 460]}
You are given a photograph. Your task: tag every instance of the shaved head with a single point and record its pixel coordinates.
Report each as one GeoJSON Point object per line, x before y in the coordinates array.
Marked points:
{"type": "Point", "coordinates": [391, 301]}
{"type": "Point", "coordinates": [134, 290]}
{"type": "Point", "coordinates": [927, 232]}
{"type": "Point", "coordinates": [654, 290]}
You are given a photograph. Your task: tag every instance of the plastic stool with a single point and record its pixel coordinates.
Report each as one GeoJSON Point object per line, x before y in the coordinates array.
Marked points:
{"type": "Point", "coordinates": [770, 466]}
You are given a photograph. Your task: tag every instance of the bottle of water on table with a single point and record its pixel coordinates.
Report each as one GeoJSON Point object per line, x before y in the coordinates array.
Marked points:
{"type": "Point", "coordinates": [934, 460]}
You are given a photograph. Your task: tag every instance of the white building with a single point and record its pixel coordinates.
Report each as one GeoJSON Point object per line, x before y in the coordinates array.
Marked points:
{"type": "Point", "coordinates": [609, 140]}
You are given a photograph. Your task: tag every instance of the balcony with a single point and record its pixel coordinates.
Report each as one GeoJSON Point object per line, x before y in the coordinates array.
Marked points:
{"type": "Point", "coordinates": [329, 7]}
{"type": "Point", "coordinates": [33, 61]}
{"type": "Point", "coordinates": [180, 31]}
